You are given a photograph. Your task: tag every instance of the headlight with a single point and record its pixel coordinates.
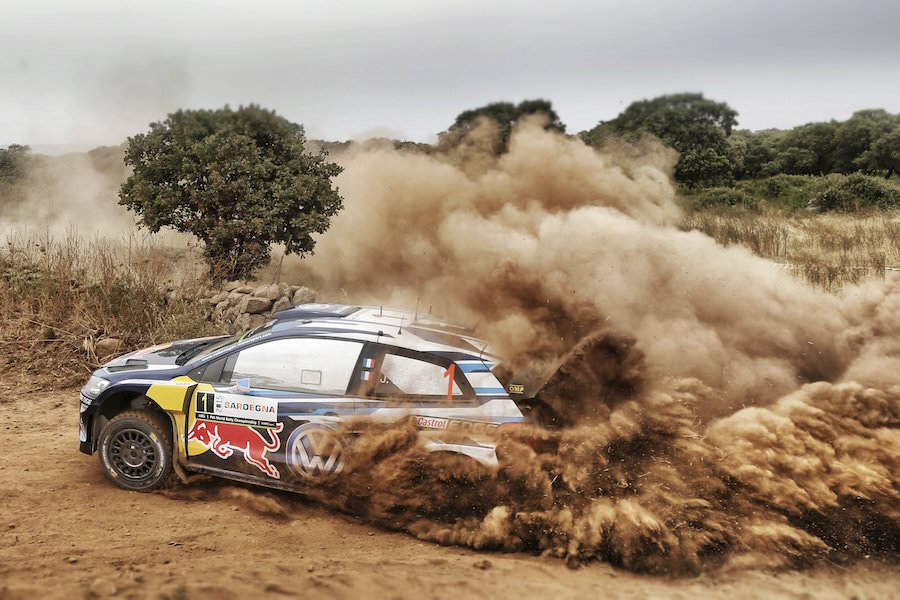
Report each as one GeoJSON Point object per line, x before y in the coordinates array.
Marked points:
{"type": "Point", "coordinates": [94, 386]}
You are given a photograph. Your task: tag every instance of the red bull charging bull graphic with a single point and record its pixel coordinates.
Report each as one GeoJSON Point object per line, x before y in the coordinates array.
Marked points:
{"type": "Point", "coordinates": [226, 424]}
{"type": "Point", "coordinates": [224, 438]}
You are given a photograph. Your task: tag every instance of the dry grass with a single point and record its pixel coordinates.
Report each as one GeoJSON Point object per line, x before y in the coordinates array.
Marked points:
{"type": "Point", "coordinates": [58, 297]}
{"type": "Point", "coordinates": [828, 251]}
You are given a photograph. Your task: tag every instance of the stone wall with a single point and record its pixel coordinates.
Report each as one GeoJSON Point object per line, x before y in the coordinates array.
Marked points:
{"type": "Point", "coordinates": [244, 306]}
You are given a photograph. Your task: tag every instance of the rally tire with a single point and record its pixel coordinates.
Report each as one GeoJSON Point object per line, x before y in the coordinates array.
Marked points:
{"type": "Point", "coordinates": [136, 450]}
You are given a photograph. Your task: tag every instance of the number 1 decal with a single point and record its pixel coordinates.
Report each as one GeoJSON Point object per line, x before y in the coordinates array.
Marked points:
{"type": "Point", "coordinates": [450, 373]}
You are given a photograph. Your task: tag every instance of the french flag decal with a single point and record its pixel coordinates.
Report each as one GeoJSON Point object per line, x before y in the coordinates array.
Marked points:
{"type": "Point", "coordinates": [366, 375]}
{"type": "Point", "coordinates": [368, 363]}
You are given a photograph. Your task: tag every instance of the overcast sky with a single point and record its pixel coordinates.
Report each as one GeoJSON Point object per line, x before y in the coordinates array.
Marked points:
{"type": "Point", "coordinates": [90, 72]}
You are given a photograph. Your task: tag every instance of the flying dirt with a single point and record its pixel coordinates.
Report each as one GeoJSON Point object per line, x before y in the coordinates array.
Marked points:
{"type": "Point", "coordinates": [709, 409]}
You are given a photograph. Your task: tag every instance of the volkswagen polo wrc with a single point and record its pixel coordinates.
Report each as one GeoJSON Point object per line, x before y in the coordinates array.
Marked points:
{"type": "Point", "coordinates": [263, 407]}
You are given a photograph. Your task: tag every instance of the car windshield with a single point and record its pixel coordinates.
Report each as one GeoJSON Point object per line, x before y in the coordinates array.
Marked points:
{"type": "Point", "coordinates": [199, 352]}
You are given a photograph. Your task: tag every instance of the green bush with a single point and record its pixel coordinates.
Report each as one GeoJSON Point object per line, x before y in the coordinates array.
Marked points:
{"type": "Point", "coordinates": [859, 192]}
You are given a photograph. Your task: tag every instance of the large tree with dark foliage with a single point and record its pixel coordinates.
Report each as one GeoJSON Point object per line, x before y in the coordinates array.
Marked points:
{"type": "Point", "coordinates": [506, 114]}
{"type": "Point", "coordinates": [698, 128]}
{"type": "Point", "coordinates": [240, 180]}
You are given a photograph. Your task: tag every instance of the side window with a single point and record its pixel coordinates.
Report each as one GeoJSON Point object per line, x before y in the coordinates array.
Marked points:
{"type": "Point", "coordinates": [304, 364]}
{"type": "Point", "coordinates": [211, 373]}
{"type": "Point", "coordinates": [404, 376]}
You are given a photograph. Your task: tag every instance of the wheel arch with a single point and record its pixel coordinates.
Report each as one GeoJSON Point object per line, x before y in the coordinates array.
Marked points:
{"type": "Point", "coordinates": [120, 401]}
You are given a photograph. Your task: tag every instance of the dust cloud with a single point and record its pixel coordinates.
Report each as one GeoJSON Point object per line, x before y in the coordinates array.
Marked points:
{"type": "Point", "coordinates": [77, 190]}
{"type": "Point", "coordinates": [709, 409]}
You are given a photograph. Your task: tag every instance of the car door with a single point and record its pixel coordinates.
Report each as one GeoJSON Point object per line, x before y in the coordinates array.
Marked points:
{"type": "Point", "coordinates": [262, 412]}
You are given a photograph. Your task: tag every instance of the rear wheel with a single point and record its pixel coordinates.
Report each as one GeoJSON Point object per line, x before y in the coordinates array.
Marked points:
{"type": "Point", "coordinates": [136, 450]}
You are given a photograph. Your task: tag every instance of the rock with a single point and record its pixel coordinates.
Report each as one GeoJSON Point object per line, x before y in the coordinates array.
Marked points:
{"type": "Point", "coordinates": [232, 285]}
{"type": "Point", "coordinates": [292, 289]}
{"type": "Point", "coordinates": [482, 564]}
{"type": "Point", "coordinates": [220, 297]}
{"type": "Point", "coordinates": [242, 323]}
{"type": "Point", "coordinates": [221, 307]}
{"type": "Point", "coordinates": [235, 298]}
{"type": "Point", "coordinates": [232, 313]}
{"type": "Point", "coordinates": [257, 320]}
{"type": "Point", "coordinates": [260, 292]}
{"type": "Point", "coordinates": [254, 305]}
{"type": "Point", "coordinates": [281, 304]}
{"type": "Point", "coordinates": [303, 295]}
{"type": "Point", "coordinates": [274, 292]}
{"type": "Point", "coordinates": [244, 289]}
{"type": "Point", "coordinates": [107, 347]}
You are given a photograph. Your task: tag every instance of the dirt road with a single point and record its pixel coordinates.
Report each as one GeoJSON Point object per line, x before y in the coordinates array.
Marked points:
{"type": "Point", "coordinates": [64, 531]}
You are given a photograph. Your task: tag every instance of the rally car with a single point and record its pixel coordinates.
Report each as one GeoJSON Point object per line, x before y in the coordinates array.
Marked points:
{"type": "Point", "coordinates": [263, 407]}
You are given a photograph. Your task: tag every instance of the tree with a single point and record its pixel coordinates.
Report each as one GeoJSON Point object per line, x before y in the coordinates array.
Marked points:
{"type": "Point", "coordinates": [695, 126]}
{"type": "Point", "coordinates": [884, 154]}
{"type": "Point", "coordinates": [753, 152]}
{"type": "Point", "coordinates": [239, 180]}
{"type": "Point", "coordinates": [506, 115]}
{"type": "Point", "coordinates": [808, 149]}
{"type": "Point", "coordinates": [11, 161]}
{"type": "Point", "coordinates": [855, 135]}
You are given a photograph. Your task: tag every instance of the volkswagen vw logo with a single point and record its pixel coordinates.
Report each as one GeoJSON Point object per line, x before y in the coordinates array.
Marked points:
{"type": "Point", "coordinates": [314, 451]}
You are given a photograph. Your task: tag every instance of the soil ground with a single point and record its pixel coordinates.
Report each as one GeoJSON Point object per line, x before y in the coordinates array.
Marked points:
{"type": "Point", "coordinates": [65, 531]}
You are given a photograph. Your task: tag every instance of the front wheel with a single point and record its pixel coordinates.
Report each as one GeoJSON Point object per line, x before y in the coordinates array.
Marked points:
{"type": "Point", "coordinates": [136, 450]}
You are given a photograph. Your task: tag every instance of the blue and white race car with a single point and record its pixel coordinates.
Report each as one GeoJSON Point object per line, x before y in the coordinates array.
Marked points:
{"type": "Point", "coordinates": [263, 407]}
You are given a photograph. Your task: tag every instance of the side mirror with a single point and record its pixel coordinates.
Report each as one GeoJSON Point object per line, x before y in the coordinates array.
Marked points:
{"type": "Point", "coordinates": [241, 386]}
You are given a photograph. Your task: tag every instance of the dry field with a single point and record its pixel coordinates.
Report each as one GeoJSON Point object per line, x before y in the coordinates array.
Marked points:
{"type": "Point", "coordinates": [828, 251]}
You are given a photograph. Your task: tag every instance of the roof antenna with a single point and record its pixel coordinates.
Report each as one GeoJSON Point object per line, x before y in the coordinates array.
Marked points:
{"type": "Point", "coordinates": [381, 311]}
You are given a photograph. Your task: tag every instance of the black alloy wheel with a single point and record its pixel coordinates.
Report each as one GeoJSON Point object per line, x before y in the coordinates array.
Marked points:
{"type": "Point", "coordinates": [136, 450]}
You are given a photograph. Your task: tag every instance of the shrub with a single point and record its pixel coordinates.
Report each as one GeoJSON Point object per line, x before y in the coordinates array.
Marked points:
{"type": "Point", "coordinates": [57, 297]}
{"type": "Point", "coordinates": [859, 192]}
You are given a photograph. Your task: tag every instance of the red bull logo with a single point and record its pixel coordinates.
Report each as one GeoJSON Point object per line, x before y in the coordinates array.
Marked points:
{"type": "Point", "coordinates": [224, 438]}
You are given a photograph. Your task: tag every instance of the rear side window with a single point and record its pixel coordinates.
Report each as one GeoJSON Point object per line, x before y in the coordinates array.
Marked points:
{"type": "Point", "coordinates": [405, 376]}
{"type": "Point", "coordinates": [302, 364]}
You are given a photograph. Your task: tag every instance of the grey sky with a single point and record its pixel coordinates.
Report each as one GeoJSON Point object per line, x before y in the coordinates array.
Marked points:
{"type": "Point", "coordinates": [90, 72]}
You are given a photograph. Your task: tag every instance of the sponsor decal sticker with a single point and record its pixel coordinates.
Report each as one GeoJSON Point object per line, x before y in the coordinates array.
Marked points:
{"type": "Point", "coordinates": [234, 408]}
{"type": "Point", "coordinates": [472, 426]}
{"type": "Point", "coordinates": [431, 422]}
{"type": "Point", "coordinates": [516, 388]}
{"type": "Point", "coordinates": [314, 452]}
{"type": "Point", "coordinates": [224, 438]}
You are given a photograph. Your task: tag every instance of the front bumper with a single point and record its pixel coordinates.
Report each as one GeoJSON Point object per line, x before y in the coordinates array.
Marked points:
{"type": "Point", "coordinates": [87, 437]}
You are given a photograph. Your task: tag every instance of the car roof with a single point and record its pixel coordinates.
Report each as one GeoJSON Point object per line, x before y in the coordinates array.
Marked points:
{"type": "Point", "coordinates": [389, 326]}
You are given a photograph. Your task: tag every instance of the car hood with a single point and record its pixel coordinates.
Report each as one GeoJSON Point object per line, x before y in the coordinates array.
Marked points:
{"type": "Point", "coordinates": [159, 356]}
